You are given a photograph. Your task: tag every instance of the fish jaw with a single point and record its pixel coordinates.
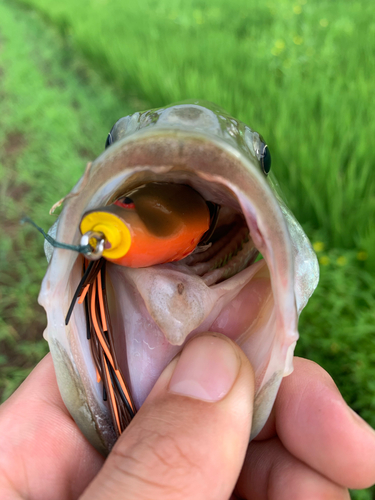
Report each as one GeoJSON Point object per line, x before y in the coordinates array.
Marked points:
{"type": "Point", "coordinates": [214, 168]}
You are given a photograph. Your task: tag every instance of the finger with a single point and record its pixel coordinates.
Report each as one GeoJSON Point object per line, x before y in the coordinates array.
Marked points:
{"type": "Point", "coordinates": [315, 424]}
{"type": "Point", "coordinates": [270, 472]}
{"type": "Point", "coordinates": [189, 438]}
{"type": "Point", "coordinates": [43, 454]}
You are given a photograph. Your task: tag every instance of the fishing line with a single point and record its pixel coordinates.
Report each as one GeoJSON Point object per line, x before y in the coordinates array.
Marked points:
{"type": "Point", "coordinates": [84, 249]}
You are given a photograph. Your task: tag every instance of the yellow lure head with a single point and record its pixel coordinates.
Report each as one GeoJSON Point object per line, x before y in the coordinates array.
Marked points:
{"type": "Point", "coordinates": [116, 234]}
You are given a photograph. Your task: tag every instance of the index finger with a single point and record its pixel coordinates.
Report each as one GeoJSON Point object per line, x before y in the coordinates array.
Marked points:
{"type": "Point", "coordinates": [315, 425]}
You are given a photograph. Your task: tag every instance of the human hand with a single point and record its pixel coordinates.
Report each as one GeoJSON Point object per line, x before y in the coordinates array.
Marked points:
{"type": "Point", "coordinates": [180, 447]}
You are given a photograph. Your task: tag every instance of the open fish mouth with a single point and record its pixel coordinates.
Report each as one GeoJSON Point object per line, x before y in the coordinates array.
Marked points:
{"type": "Point", "coordinates": [222, 287]}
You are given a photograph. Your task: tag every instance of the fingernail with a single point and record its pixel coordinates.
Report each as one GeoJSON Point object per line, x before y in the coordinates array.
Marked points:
{"type": "Point", "coordinates": [206, 369]}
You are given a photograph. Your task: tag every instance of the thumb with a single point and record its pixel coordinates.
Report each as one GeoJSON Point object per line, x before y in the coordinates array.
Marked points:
{"type": "Point", "coordinates": [189, 439]}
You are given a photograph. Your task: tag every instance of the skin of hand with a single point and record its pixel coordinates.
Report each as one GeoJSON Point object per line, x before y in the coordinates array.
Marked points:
{"type": "Point", "coordinates": [190, 438]}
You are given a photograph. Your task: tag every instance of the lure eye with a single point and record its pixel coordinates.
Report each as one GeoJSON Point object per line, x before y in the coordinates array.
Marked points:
{"type": "Point", "coordinates": [125, 202]}
{"type": "Point", "coordinates": [109, 140]}
{"type": "Point", "coordinates": [265, 159]}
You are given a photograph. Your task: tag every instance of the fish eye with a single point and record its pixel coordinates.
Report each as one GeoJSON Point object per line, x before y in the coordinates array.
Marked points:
{"type": "Point", "coordinates": [109, 140]}
{"type": "Point", "coordinates": [265, 159]}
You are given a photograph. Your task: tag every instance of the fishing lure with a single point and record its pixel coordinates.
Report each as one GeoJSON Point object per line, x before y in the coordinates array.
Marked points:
{"type": "Point", "coordinates": [153, 224]}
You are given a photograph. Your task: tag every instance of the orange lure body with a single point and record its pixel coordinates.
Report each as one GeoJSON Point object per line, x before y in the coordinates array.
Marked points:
{"type": "Point", "coordinates": [154, 224]}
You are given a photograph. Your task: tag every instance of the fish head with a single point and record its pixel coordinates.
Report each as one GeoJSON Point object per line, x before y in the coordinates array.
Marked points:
{"type": "Point", "coordinates": [222, 288]}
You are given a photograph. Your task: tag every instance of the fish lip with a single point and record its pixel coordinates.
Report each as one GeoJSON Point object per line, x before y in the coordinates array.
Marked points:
{"type": "Point", "coordinates": [100, 188]}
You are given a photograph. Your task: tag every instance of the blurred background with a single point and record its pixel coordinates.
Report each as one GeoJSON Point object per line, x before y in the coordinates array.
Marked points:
{"type": "Point", "coordinates": [300, 72]}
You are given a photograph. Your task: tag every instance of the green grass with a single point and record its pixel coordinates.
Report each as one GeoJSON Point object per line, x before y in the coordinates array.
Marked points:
{"type": "Point", "coordinates": [300, 73]}
{"type": "Point", "coordinates": [55, 114]}
{"type": "Point", "coordinates": [338, 328]}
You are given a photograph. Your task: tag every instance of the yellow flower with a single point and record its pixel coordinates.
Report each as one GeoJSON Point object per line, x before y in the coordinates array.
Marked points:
{"type": "Point", "coordinates": [323, 23]}
{"type": "Point", "coordinates": [278, 47]}
{"type": "Point", "coordinates": [362, 255]}
{"type": "Point", "coordinates": [324, 260]}
{"type": "Point", "coordinates": [341, 261]}
{"type": "Point", "coordinates": [297, 9]}
{"type": "Point", "coordinates": [318, 246]}
{"type": "Point", "coordinates": [298, 40]}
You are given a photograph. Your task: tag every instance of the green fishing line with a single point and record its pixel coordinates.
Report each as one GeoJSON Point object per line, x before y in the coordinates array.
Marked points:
{"type": "Point", "coordinates": [85, 249]}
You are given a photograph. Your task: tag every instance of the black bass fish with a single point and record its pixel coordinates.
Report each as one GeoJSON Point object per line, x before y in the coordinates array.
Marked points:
{"type": "Point", "coordinates": [204, 242]}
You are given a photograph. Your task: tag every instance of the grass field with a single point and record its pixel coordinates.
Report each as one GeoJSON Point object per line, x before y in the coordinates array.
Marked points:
{"type": "Point", "coordinates": [301, 73]}
{"type": "Point", "coordinates": [54, 117]}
